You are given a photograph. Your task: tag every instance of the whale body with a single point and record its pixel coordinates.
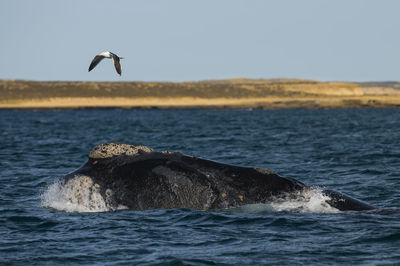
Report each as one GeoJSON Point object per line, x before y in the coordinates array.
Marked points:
{"type": "Point", "coordinates": [141, 178]}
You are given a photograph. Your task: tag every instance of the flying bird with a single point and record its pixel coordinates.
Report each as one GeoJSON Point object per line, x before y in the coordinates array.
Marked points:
{"type": "Point", "coordinates": [110, 55]}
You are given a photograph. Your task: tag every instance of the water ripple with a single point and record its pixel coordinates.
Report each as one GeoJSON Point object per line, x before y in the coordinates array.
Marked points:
{"type": "Point", "coordinates": [352, 151]}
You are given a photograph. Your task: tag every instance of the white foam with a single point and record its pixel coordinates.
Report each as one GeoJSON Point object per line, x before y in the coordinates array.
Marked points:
{"type": "Point", "coordinates": [310, 200]}
{"type": "Point", "coordinates": [78, 194]}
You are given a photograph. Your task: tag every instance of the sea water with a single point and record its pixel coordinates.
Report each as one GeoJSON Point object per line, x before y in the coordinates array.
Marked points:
{"type": "Point", "coordinates": [352, 151]}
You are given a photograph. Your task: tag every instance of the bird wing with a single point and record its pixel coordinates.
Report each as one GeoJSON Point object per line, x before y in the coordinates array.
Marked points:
{"type": "Point", "coordinates": [116, 63]}
{"type": "Point", "coordinates": [96, 60]}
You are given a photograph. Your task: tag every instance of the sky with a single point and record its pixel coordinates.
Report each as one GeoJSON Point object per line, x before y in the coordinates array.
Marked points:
{"type": "Point", "coordinates": [187, 40]}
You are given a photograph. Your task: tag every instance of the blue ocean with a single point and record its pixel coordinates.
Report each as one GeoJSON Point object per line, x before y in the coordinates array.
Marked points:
{"type": "Point", "coordinates": [354, 151]}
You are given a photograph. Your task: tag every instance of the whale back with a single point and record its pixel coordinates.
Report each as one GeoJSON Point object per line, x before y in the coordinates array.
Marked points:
{"type": "Point", "coordinates": [140, 178]}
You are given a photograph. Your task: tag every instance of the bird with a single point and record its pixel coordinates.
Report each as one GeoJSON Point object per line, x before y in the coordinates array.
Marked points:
{"type": "Point", "coordinates": [110, 55]}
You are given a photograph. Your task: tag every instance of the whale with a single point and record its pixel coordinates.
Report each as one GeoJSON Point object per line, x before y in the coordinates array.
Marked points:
{"type": "Point", "coordinates": [140, 178]}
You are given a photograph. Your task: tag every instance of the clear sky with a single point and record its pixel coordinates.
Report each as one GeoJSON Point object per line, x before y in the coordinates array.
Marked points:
{"type": "Point", "coordinates": [185, 40]}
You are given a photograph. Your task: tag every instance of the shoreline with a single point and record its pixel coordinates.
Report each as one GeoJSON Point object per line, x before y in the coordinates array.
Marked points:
{"type": "Point", "coordinates": [212, 94]}
{"type": "Point", "coordinates": [273, 102]}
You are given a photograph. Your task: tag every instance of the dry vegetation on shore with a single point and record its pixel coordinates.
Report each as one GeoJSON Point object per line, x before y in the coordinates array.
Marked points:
{"type": "Point", "coordinates": [232, 93]}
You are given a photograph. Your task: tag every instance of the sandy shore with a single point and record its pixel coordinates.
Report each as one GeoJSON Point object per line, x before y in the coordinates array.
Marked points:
{"type": "Point", "coordinates": [192, 102]}
{"type": "Point", "coordinates": [232, 93]}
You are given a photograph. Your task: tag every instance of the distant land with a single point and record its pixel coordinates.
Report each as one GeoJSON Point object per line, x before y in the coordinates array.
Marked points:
{"type": "Point", "coordinates": [225, 93]}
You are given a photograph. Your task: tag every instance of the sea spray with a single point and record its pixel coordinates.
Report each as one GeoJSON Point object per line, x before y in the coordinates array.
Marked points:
{"type": "Point", "coordinates": [308, 200]}
{"type": "Point", "coordinates": [78, 194]}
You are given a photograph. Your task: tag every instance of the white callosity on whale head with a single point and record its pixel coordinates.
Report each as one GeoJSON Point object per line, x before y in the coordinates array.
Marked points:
{"type": "Point", "coordinates": [108, 150]}
{"type": "Point", "coordinates": [78, 194]}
